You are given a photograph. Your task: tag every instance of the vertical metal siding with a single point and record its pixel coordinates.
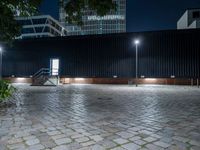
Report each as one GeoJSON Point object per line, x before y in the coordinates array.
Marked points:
{"type": "Point", "coordinates": [161, 54]}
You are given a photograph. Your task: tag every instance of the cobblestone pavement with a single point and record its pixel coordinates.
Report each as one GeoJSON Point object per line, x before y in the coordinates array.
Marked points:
{"type": "Point", "coordinates": [102, 117]}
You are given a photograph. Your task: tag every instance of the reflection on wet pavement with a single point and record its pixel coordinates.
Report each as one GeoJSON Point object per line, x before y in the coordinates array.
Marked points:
{"type": "Point", "coordinates": [102, 117]}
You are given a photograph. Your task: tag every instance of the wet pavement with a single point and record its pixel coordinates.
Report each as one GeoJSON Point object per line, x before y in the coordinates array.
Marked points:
{"type": "Point", "coordinates": [102, 117]}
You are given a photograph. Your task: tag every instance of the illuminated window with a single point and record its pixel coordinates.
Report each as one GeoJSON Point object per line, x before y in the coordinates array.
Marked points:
{"type": "Point", "coordinates": [54, 67]}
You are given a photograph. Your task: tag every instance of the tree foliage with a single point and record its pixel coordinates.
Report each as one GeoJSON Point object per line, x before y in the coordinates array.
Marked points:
{"type": "Point", "coordinates": [11, 8]}
{"type": "Point", "coordinates": [74, 9]}
{"type": "Point", "coordinates": [6, 90]}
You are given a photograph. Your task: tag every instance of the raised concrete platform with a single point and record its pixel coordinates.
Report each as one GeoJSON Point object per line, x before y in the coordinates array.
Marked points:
{"type": "Point", "coordinates": [162, 81]}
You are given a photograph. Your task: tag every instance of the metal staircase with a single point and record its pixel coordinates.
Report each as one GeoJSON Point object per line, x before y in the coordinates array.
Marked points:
{"type": "Point", "coordinates": [44, 77]}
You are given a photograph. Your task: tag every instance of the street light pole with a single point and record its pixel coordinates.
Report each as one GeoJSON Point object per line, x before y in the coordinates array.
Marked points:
{"type": "Point", "coordinates": [136, 61]}
{"type": "Point", "coordinates": [1, 51]}
{"type": "Point", "coordinates": [136, 71]}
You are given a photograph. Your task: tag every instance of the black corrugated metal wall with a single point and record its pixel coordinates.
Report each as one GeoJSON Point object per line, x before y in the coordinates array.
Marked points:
{"type": "Point", "coordinates": [161, 54]}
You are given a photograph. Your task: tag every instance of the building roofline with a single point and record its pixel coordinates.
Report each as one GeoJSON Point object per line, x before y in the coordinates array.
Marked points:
{"type": "Point", "coordinates": [188, 9]}
{"type": "Point", "coordinates": [108, 35]}
{"type": "Point", "coordinates": [192, 8]}
{"type": "Point", "coordinates": [40, 17]}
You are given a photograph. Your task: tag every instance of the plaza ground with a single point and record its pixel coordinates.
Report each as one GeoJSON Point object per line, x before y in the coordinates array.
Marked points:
{"type": "Point", "coordinates": [102, 117]}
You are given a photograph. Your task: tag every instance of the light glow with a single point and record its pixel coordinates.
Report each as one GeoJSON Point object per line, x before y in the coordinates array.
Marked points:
{"type": "Point", "coordinates": [137, 42]}
{"type": "Point", "coordinates": [150, 79]}
{"type": "Point", "coordinates": [115, 76]}
{"type": "Point", "coordinates": [54, 67]}
{"type": "Point", "coordinates": [79, 79]}
{"type": "Point", "coordinates": [1, 49]}
{"type": "Point", "coordinates": [20, 79]}
{"type": "Point", "coordinates": [172, 76]}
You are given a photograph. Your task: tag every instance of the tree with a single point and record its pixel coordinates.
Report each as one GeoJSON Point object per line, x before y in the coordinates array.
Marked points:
{"type": "Point", "coordinates": [9, 28]}
{"type": "Point", "coordinates": [11, 8]}
{"type": "Point", "coordinates": [74, 13]}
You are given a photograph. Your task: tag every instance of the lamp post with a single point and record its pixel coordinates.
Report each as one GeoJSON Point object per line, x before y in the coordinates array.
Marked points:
{"type": "Point", "coordinates": [136, 61]}
{"type": "Point", "coordinates": [1, 51]}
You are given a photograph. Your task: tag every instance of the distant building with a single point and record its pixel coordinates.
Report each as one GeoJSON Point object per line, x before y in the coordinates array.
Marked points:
{"type": "Point", "coordinates": [190, 19]}
{"type": "Point", "coordinates": [113, 22]}
{"type": "Point", "coordinates": [40, 26]}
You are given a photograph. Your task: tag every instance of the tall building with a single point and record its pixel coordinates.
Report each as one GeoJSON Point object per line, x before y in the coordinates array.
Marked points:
{"type": "Point", "coordinates": [190, 19]}
{"type": "Point", "coordinates": [40, 26]}
{"type": "Point", "coordinates": [113, 22]}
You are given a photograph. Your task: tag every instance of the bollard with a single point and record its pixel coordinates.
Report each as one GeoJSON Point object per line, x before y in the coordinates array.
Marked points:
{"type": "Point", "coordinates": [198, 82]}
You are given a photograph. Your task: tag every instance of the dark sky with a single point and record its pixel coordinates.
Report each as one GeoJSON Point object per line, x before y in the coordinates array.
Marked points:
{"type": "Point", "coordinates": [143, 15]}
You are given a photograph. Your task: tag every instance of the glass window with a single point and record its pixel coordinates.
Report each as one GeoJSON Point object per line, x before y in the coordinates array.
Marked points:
{"type": "Point", "coordinates": [196, 14]}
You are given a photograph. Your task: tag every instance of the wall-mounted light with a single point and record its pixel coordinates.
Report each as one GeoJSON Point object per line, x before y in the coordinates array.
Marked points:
{"type": "Point", "coordinates": [173, 76]}
{"type": "Point", "coordinates": [115, 76]}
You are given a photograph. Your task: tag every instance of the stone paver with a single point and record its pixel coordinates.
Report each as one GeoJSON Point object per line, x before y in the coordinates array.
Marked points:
{"type": "Point", "coordinates": [131, 146]}
{"type": "Point", "coordinates": [32, 142]}
{"type": "Point", "coordinates": [63, 141]}
{"type": "Point", "coordinates": [120, 141]}
{"type": "Point", "coordinates": [100, 117]}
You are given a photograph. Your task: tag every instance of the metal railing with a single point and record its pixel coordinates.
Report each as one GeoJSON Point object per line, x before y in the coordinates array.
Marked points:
{"type": "Point", "coordinates": [42, 75]}
{"type": "Point", "coordinates": [42, 71]}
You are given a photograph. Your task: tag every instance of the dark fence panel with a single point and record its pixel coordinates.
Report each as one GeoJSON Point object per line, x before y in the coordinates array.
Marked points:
{"type": "Point", "coordinates": [161, 54]}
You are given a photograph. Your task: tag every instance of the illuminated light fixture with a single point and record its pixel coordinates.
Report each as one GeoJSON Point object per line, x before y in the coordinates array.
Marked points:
{"type": "Point", "coordinates": [79, 79]}
{"type": "Point", "coordinates": [137, 42]}
{"type": "Point", "coordinates": [142, 76]}
{"type": "Point", "coordinates": [115, 76]}
{"type": "Point", "coordinates": [172, 76]}
{"type": "Point", "coordinates": [13, 76]}
{"type": "Point", "coordinates": [150, 79]}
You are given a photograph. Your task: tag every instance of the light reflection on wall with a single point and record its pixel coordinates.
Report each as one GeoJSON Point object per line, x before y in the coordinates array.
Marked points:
{"type": "Point", "coordinates": [79, 79]}
{"type": "Point", "coordinates": [19, 80]}
{"type": "Point", "coordinates": [150, 79]}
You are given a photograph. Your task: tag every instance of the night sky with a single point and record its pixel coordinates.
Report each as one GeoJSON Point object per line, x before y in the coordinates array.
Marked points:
{"type": "Point", "coordinates": [142, 15]}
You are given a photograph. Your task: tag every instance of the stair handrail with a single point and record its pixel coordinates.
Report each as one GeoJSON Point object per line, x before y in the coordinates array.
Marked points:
{"type": "Point", "coordinates": [40, 71]}
{"type": "Point", "coordinates": [45, 73]}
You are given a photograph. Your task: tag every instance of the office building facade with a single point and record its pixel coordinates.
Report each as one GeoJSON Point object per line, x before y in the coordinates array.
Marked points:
{"type": "Point", "coordinates": [113, 22]}
{"type": "Point", "coordinates": [40, 26]}
{"type": "Point", "coordinates": [189, 20]}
